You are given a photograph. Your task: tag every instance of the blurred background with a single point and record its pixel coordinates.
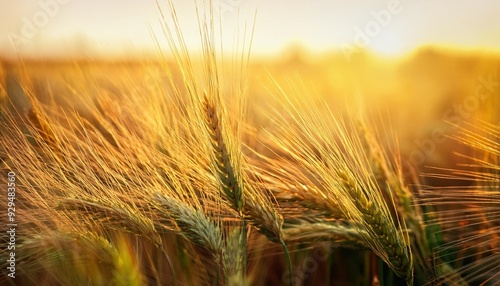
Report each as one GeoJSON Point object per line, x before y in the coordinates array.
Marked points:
{"type": "Point", "coordinates": [388, 27]}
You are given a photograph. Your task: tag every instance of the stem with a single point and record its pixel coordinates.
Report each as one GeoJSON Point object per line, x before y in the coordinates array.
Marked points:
{"type": "Point", "coordinates": [381, 271]}
{"type": "Point", "coordinates": [217, 279]}
{"type": "Point", "coordinates": [244, 246]}
{"type": "Point", "coordinates": [218, 261]}
{"type": "Point", "coordinates": [367, 271]}
{"type": "Point", "coordinates": [170, 266]}
{"type": "Point", "coordinates": [289, 262]}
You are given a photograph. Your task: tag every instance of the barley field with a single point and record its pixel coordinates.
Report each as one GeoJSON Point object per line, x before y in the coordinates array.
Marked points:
{"type": "Point", "coordinates": [199, 169]}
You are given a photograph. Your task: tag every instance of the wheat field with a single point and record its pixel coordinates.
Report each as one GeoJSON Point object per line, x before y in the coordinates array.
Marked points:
{"type": "Point", "coordinates": [199, 170]}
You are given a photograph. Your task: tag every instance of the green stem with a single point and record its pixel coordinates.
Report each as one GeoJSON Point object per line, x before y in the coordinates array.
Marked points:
{"type": "Point", "coordinates": [217, 278]}
{"type": "Point", "coordinates": [244, 247]}
{"type": "Point", "coordinates": [289, 262]}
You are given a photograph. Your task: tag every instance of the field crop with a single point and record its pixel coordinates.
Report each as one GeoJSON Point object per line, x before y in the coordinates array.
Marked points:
{"type": "Point", "coordinates": [195, 170]}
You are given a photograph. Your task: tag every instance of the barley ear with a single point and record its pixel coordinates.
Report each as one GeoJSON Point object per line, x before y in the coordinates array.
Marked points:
{"type": "Point", "coordinates": [193, 224]}
{"type": "Point", "coordinates": [224, 155]}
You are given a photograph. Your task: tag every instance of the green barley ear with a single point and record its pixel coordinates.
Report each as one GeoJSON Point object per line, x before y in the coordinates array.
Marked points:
{"type": "Point", "coordinates": [193, 224]}
{"type": "Point", "coordinates": [338, 233]}
{"type": "Point", "coordinates": [265, 217]}
{"type": "Point", "coordinates": [382, 235]}
{"type": "Point", "coordinates": [226, 156]}
{"type": "Point", "coordinates": [261, 213]}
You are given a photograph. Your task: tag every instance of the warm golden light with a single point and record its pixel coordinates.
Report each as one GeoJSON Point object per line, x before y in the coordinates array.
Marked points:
{"type": "Point", "coordinates": [58, 27]}
{"type": "Point", "coordinates": [245, 142]}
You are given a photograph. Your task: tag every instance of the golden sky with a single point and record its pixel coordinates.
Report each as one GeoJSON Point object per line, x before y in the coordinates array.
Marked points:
{"type": "Point", "coordinates": [58, 27]}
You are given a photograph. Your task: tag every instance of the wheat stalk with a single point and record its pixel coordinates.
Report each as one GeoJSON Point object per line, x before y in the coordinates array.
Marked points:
{"type": "Point", "coordinates": [342, 168]}
{"type": "Point", "coordinates": [381, 234]}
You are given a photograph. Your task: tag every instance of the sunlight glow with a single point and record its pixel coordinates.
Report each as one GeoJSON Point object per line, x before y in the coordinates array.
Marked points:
{"type": "Point", "coordinates": [67, 27]}
{"type": "Point", "coordinates": [389, 45]}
